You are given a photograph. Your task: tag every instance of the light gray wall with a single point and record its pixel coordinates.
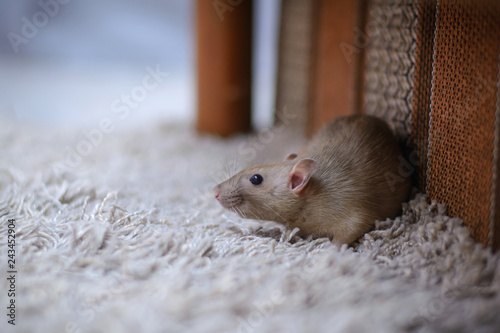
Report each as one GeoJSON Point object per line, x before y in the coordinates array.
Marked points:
{"type": "Point", "coordinates": [90, 52]}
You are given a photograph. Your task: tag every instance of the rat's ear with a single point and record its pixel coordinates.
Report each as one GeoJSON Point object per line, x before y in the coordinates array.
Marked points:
{"type": "Point", "coordinates": [300, 174]}
{"type": "Point", "coordinates": [290, 157]}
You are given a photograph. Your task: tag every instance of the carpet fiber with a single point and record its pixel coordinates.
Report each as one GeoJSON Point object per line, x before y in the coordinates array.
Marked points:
{"type": "Point", "coordinates": [119, 232]}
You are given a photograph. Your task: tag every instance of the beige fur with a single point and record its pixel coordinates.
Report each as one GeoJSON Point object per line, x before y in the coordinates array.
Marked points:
{"type": "Point", "coordinates": [349, 175]}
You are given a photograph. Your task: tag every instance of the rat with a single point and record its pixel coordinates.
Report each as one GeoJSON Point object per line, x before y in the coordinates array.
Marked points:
{"type": "Point", "coordinates": [346, 177]}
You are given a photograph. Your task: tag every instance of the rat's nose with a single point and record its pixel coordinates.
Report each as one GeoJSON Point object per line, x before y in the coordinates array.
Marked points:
{"type": "Point", "coordinates": [216, 192]}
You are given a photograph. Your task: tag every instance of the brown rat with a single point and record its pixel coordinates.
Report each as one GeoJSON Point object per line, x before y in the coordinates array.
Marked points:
{"type": "Point", "coordinates": [348, 176]}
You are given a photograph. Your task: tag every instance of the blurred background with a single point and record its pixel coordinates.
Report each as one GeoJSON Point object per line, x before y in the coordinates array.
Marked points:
{"type": "Point", "coordinates": [71, 63]}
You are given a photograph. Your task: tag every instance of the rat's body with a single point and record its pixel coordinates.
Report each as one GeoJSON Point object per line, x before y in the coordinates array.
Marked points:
{"type": "Point", "coordinates": [348, 176]}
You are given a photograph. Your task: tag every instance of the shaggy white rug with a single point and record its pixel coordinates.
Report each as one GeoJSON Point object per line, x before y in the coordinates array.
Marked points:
{"type": "Point", "coordinates": [130, 239]}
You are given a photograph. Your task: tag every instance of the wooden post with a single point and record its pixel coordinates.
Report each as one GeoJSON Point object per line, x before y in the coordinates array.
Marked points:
{"type": "Point", "coordinates": [224, 41]}
{"type": "Point", "coordinates": [336, 84]}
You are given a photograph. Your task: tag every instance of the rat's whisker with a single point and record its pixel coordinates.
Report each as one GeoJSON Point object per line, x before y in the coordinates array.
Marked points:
{"type": "Point", "coordinates": [255, 212]}
{"type": "Point", "coordinates": [274, 211]}
{"type": "Point", "coordinates": [242, 214]}
{"type": "Point", "coordinates": [231, 166]}
{"type": "Point", "coordinates": [336, 186]}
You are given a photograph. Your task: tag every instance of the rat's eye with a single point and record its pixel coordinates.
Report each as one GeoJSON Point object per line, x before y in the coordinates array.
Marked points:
{"type": "Point", "coordinates": [256, 179]}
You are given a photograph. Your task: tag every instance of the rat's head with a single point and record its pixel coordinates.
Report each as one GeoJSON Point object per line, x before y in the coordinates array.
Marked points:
{"type": "Point", "coordinates": [267, 192]}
